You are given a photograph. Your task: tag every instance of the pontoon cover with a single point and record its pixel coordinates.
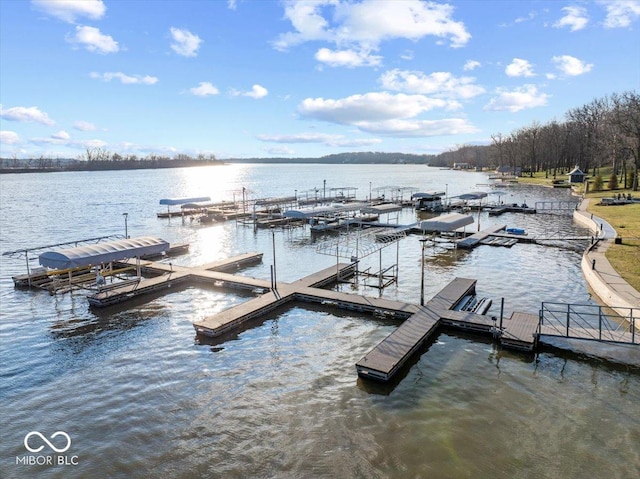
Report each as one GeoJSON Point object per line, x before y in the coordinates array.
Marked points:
{"type": "Point", "coordinates": [103, 252]}
{"type": "Point", "coordinates": [428, 194]}
{"type": "Point", "coordinates": [180, 201]}
{"type": "Point", "coordinates": [381, 209]}
{"type": "Point", "coordinates": [450, 222]}
{"type": "Point", "coordinates": [472, 196]}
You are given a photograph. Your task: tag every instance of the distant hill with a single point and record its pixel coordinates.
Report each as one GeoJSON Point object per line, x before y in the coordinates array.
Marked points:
{"type": "Point", "coordinates": [347, 158]}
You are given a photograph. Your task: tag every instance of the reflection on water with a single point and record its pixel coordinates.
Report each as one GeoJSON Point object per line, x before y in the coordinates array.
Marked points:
{"type": "Point", "coordinates": [140, 397]}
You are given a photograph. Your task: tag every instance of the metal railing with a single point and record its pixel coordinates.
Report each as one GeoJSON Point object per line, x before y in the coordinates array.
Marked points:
{"type": "Point", "coordinates": [587, 321]}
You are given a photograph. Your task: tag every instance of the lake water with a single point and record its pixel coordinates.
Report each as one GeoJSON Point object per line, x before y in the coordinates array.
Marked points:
{"type": "Point", "coordinates": [140, 396]}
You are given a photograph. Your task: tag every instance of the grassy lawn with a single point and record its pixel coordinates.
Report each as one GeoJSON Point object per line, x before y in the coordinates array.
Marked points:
{"type": "Point", "coordinates": [625, 257]}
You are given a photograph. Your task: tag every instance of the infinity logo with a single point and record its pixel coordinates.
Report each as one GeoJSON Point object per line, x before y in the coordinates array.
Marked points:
{"type": "Point", "coordinates": [48, 443]}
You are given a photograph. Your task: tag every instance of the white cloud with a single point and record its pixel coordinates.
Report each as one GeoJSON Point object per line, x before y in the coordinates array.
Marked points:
{"type": "Point", "coordinates": [521, 98]}
{"type": "Point", "coordinates": [62, 140]}
{"type": "Point", "coordinates": [279, 150]}
{"type": "Point", "coordinates": [368, 107]}
{"type": "Point", "coordinates": [9, 137]}
{"type": "Point", "coordinates": [69, 10]}
{"type": "Point", "coordinates": [185, 42]}
{"type": "Point", "coordinates": [256, 92]}
{"type": "Point", "coordinates": [471, 65]}
{"type": "Point", "coordinates": [124, 78]}
{"type": "Point", "coordinates": [440, 84]}
{"type": "Point", "coordinates": [347, 58]}
{"type": "Point", "coordinates": [621, 13]}
{"type": "Point", "coordinates": [93, 40]}
{"type": "Point", "coordinates": [575, 18]}
{"type": "Point", "coordinates": [26, 114]}
{"type": "Point", "coordinates": [204, 89]}
{"type": "Point", "coordinates": [322, 138]}
{"type": "Point", "coordinates": [571, 66]}
{"type": "Point", "coordinates": [61, 135]}
{"type": "Point", "coordinates": [519, 68]}
{"type": "Point", "coordinates": [407, 55]}
{"type": "Point", "coordinates": [368, 23]}
{"type": "Point", "coordinates": [530, 16]}
{"type": "Point", "coordinates": [419, 128]}
{"type": "Point", "coordinates": [231, 4]}
{"type": "Point", "coordinates": [385, 114]}
{"type": "Point", "coordinates": [84, 126]}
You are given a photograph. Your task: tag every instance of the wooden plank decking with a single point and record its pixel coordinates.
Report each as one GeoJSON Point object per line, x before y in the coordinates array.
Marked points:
{"type": "Point", "coordinates": [520, 331]}
{"type": "Point", "coordinates": [386, 359]}
{"type": "Point", "coordinates": [170, 274]}
{"type": "Point", "coordinates": [475, 239]}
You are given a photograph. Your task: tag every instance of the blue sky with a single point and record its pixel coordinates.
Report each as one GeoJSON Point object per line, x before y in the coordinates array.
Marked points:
{"type": "Point", "coordinates": [260, 78]}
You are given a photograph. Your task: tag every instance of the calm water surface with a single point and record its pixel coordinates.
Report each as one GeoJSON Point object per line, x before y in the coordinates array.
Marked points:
{"type": "Point", "coordinates": [140, 396]}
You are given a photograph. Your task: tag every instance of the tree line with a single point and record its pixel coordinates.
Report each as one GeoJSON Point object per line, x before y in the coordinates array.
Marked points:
{"type": "Point", "coordinates": [604, 132]}
{"type": "Point", "coordinates": [97, 159]}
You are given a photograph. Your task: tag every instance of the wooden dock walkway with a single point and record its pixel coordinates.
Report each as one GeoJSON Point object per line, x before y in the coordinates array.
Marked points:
{"type": "Point", "coordinates": [474, 240]}
{"type": "Point", "coordinates": [386, 359]}
{"type": "Point", "coordinates": [520, 331]}
{"type": "Point", "coordinates": [168, 274]}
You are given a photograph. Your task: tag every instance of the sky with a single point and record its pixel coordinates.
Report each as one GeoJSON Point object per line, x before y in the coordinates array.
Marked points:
{"type": "Point", "coordinates": [308, 78]}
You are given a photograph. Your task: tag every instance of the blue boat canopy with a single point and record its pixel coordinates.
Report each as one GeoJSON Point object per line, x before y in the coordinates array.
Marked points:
{"type": "Point", "coordinates": [103, 252]}
{"type": "Point", "coordinates": [181, 201]}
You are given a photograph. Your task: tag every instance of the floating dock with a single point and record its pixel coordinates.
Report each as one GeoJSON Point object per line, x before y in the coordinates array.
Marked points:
{"type": "Point", "coordinates": [475, 239]}
{"type": "Point", "coordinates": [169, 275]}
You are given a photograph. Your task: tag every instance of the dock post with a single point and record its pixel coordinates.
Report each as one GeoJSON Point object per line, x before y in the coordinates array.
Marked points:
{"type": "Point", "coordinates": [600, 323]}
{"type": "Point", "coordinates": [568, 315]}
{"type": "Point", "coordinates": [501, 311]}
{"type": "Point", "coordinates": [28, 270]}
{"type": "Point", "coordinates": [273, 241]}
{"type": "Point", "coordinates": [423, 240]}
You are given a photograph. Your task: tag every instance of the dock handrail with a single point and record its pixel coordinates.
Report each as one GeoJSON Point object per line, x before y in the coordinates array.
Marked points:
{"type": "Point", "coordinates": [586, 321]}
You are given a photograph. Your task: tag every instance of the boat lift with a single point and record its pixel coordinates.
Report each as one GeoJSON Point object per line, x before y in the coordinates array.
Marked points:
{"type": "Point", "coordinates": [359, 244]}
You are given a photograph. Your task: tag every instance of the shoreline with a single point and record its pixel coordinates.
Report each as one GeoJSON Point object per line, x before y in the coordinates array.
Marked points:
{"type": "Point", "coordinates": [605, 281]}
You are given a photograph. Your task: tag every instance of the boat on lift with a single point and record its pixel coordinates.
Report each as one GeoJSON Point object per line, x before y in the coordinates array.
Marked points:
{"type": "Point", "coordinates": [429, 201]}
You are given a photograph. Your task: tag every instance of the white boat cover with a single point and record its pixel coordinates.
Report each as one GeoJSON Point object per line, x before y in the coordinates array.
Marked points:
{"type": "Point", "coordinates": [449, 222]}
{"type": "Point", "coordinates": [103, 252]}
{"type": "Point", "coordinates": [382, 209]}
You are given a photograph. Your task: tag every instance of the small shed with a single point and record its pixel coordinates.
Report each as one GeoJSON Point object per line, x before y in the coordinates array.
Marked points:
{"type": "Point", "coordinates": [577, 175]}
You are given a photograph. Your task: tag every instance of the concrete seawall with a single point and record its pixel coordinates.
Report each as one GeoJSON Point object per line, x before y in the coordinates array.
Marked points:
{"type": "Point", "coordinates": [610, 287]}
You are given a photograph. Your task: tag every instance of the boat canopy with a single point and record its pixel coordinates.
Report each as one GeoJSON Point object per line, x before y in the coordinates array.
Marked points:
{"type": "Point", "coordinates": [429, 194]}
{"type": "Point", "coordinates": [197, 205]}
{"type": "Point", "coordinates": [331, 210]}
{"type": "Point", "coordinates": [446, 223]}
{"type": "Point", "coordinates": [472, 196]}
{"type": "Point", "coordinates": [181, 201]}
{"type": "Point", "coordinates": [382, 209]}
{"type": "Point", "coordinates": [103, 252]}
